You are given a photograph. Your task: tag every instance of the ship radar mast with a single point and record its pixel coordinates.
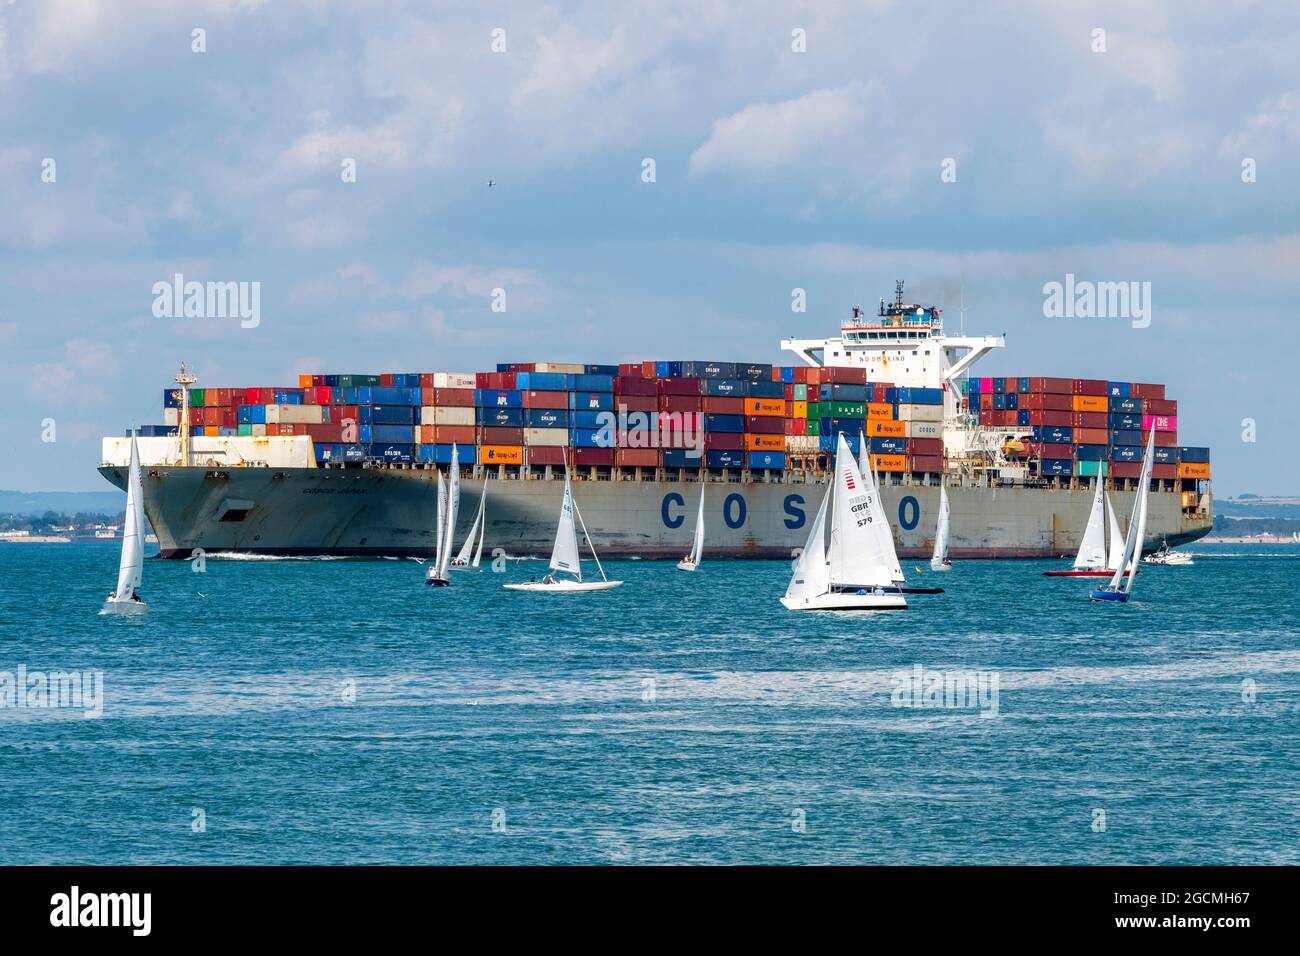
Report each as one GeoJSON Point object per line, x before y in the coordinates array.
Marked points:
{"type": "Point", "coordinates": [185, 379]}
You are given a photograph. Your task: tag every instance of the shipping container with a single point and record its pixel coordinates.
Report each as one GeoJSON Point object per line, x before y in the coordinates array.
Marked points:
{"type": "Point", "coordinates": [884, 445]}
{"type": "Point", "coordinates": [1199, 456]}
{"type": "Point", "coordinates": [925, 464]}
{"type": "Point", "coordinates": [889, 463]}
{"type": "Point", "coordinates": [1091, 403]}
{"type": "Point", "coordinates": [592, 401]}
{"type": "Point", "coordinates": [500, 417]}
{"type": "Point", "coordinates": [546, 436]}
{"type": "Point", "coordinates": [636, 457]}
{"type": "Point", "coordinates": [843, 393]}
{"type": "Point", "coordinates": [727, 441]}
{"type": "Point", "coordinates": [923, 429]}
{"type": "Point", "coordinates": [764, 407]}
{"type": "Point", "coordinates": [919, 413]}
{"type": "Point", "coordinates": [1056, 467]}
{"type": "Point", "coordinates": [1090, 387]}
{"type": "Point", "coordinates": [635, 385]}
{"type": "Point", "coordinates": [765, 424]}
{"type": "Point", "coordinates": [1192, 469]}
{"type": "Point", "coordinates": [1055, 434]}
{"type": "Point", "coordinates": [766, 460]}
{"type": "Point", "coordinates": [764, 442]}
{"type": "Point", "coordinates": [490, 454]}
{"type": "Point", "coordinates": [891, 429]}
{"type": "Point", "coordinates": [724, 459]}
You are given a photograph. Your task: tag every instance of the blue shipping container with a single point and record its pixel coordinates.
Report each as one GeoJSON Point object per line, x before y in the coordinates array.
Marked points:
{"type": "Point", "coordinates": [754, 371]}
{"type": "Point", "coordinates": [1055, 467]}
{"type": "Point", "coordinates": [843, 393]}
{"type": "Point", "coordinates": [668, 369]}
{"type": "Point", "coordinates": [1126, 452]}
{"type": "Point", "coordinates": [1091, 452]}
{"type": "Point", "coordinates": [923, 396]}
{"type": "Point", "coordinates": [1060, 434]}
{"type": "Point", "coordinates": [1125, 436]}
{"type": "Point", "coordinates": [830, 443]}
{"type": "Point", "coordinates": [441, 454]}
{"type": "Point", "coordinates": [709, 369]}
{"type": "Point", "coordinates": [724, 423]}
{"type": "Point", "coordinates": [682, 458]}
{"type": "Point", "coordinates": [1194, 456]}
{"type": "Point", "coordinates": [759, 460]}
{"type": "Point", "coordinates": [543, 382]}
{"type": "Point", "coordinates": [505, 398]}
{"type": "Point", "coordinates": [766, 389]}
{"type": "Point", "coordinates": [501, 417]}
{"type": "Point", "coordinates": [1126, 406]}
{"type": "Point", "coordinates": [593, 383]}
{"type": "Point", "coordinates": [1119, 389]}
{"type": "Point", "coordinates": [590, 438]}
{"type": "Point", "coordinates": [592, 401]}
{"type": "Point", "coordinates": [392, 434]}
{"type": "Point", "coordinates": [392, 452]}
{"type": "Point", "coordinates": [546, 418]}
{"type": "Point", "coordinates": [724, 459]}
{"type": "Point", "coordinates": [388, 414]}
{"type": "Point", "coordinates": [585, 419]}
{"type": "Point", "coordinates": [1126, 422]}
{"type": "Point", "coordinates": [884, 445]}
{"type": "Point", "coordinates": [726, 387]}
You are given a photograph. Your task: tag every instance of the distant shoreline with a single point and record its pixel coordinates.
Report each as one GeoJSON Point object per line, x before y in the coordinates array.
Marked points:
{"type": "Point", "coordinates": [1249, 541]}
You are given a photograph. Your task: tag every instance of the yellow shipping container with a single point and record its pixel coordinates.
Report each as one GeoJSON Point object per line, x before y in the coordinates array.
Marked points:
{"type": "Point", "coordinates": [501, 454]}
{"type": "Point", "coordinates": [765, 406]}
{"type": "Point", "coordinates": [800, 409]}
{"type": "Point", "coordinates": [765, 442]}
{"type": "Point", "coordinates": [304, 381]}
{"type": "Point", "coordinates": [1091, 403]}
{"type": "Point", "coordinates": [886, 429]}
{"type": "Point", "coordinates": [889, 462]}
{"type": "Point", "coordinates": [880, 412]}
{"type": "Point", "coordinates": [1192, 469]}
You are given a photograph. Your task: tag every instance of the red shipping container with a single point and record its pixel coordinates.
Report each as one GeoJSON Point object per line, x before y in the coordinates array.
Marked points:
{"type": "Point", "coordinates": [1091, 436]}
{"type": "Point", "coordinates": [986, 402]}
{"type": "Point", "coordinates": [318, 381]}
{"type": "Point", "coordinates": [789, 393]}
{"type": "Point", "coordinates": [1054, 386]}
{"type": "Point", "coordinates": [1164, 470]}
{"type": "Point", "coordinates": [925, 447]}
{"type": "Point", "coordinates": [1090, 419]}
{"type": "Point", "coordinates": [638, 403]}
{"type": "Point", "coordinates": [1047, 401]}
{"type": "Point", "coordinates": [1090, 386]}
{"type": "Point", "coordinates": [723, 405]}
{"type": "Point", "coordinates": [545, 454]}
{"type": "Point", "coordinates": [426, 380]}
{"type": "Point", "coordinates": [724, 441]}
{"type": "Point", "coordinates": [878, 391]}
{"type": "Point", "coordinates": [498, 435]}
{"type": "Point", "coordinates": [921, 463]}
{"type": "Point", "coordinates": [494, 381]}
{"type": "Point", "coordinates": [1159, 406]}
{"type": "Point", "coordinates": [593, 456]}
{"type": "Point", "coordinates": [795, 426]}
{"type": "Point", "coordinates": [1054, 419]}
{"type": "Point", "coordinates": [344, 413]}
{"type": "Point", "coordinates": [636, 457]}
{"type": "Point", "coordinates": [679, 403]}
{"type": "Point", "coordinates": [451, 397]}
{"type": "Point", "coordinates": [386, 380]}
{"type": "Point", "coordinates": [1143, 391]}
{"type": "Point", "coordinates": [546, 399]}
{"type": "Point", "coordinates": [635, 385]}
{"type": "Point", "coordinates": [1052, 450]}
{"type": "Point", "coordinates": [679, 386]}
{"type": "Point", "coordinates": [1163, 439]}
{"type": "Point", "coordinates": [648, 370]}
{"type": "Point", "coordinates": [629, 370]}
{"type": "Point", "coordinates": [325, 433]}
{"type": "Point", "coordinates": [764, 425]}
{"type": "Point", "coordinates": [842, 375]}
{"type": "Point", "coordinates": [460, 434]}
{"type": "Point", "coordinates": [1126, 469]}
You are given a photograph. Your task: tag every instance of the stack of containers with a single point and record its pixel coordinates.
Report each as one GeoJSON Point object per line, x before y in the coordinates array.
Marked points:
{"type": "Point", "coordinates": [765, 418]}
{"type": "Point", "coordinates": [920, 410]}
{"type": "Point", "coordinates": [499, 418]}
{"type": "Point", "coordinates": [447, 418]}
{"type": "Point", "coordinates": [590, 401]}
{"type": "Point", "coordinates": [639, 396]}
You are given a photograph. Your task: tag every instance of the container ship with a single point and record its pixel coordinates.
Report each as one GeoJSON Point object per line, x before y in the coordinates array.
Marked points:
{"type": "Point", "coordinates": [346, 464]}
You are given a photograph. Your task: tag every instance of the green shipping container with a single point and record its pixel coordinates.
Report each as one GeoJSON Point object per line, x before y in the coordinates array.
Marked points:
{"type": "Point", "coordinates": [1087, 469]}
{"type": "Point", "coordinates": [814, 427]}
{"type": "Point", "coordinates": [245, 431]}
{"type": "Point", "coordinates": [196, 397]}
{"type": "Point", "coordinates": [844, 409]}
{"type": "Point", "coordinates": [801, 393]}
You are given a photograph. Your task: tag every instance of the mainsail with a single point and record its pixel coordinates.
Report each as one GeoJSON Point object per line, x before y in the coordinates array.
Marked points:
{"type": "Point", "coordinates": [130, 569]}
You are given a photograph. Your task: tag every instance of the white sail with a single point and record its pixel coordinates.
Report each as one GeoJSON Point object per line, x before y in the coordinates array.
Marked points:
{"type": "Point", "coordinates": [475, 531]}
{"type": "Point", "coordinates": [1135, 526]}
{"type": "Point", "coordinates": [697, 546]}
{"type": "Point", "coordinates": [1116, 539]}
{"type": "Point", "coordinates": [811, 575]}
{"type": "Point", "coordinates": [1143, 489]}
{"type": "Point", "coordinates": [442, 507]}
{"type": "Point", "coordinates": [859, 556]}
{"type": "Point", "coordinates": [1092, 549]}
{"type": "Point", "coordinates": [130, 569]}
{"type": "Point", "coordinates": [453, 505]}
{"type": "Point", "coordinates": [880, 528]}
{"type": "Point", "coordinates": [941, 531]}
{"type": "Point", "coordinates": [482, 525]}
{"type": "Point", "coordinates": [564, 556]}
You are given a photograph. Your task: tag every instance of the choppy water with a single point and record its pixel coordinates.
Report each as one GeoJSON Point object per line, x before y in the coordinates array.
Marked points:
{"type": "Point", "coordinates": [231, 698]}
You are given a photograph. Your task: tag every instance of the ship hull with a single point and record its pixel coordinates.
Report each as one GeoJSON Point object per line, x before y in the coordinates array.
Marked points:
{"type": "Point", "coordinates": [391, 513]}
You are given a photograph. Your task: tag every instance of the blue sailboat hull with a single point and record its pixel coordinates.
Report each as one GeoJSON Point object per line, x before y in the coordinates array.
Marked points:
{"type": "Point", "coordinates": [1104, 595]}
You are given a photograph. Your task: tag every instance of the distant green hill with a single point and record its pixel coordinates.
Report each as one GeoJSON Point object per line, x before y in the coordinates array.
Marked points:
{"type": "Point", "coordinates": [64, 502]}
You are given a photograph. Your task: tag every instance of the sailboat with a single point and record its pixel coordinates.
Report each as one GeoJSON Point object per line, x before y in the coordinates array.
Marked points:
{"type": "Point", "coordinates": [1121, 583]}
{"type": "Point", "coordinates": [1095, 559]}
{"type": "Point", "coordinates": [448, 501]}
{"type": "Point", "coordinates": [857, 572]}
{"type": "Point", "coordinates": [881, 528]}
{"type": "Point", "coordinates": [463, 561]}
{"type": "Point", "coordinates": [565, 557]}
{"type": "Point", "coordinates": [692, 560]}
{"type": "Point", "coordinates": [940, 560]}
{"type": "Point", "coordinates": [1167, 555]}
{"type": "Point", "coordinates": [125, 599]}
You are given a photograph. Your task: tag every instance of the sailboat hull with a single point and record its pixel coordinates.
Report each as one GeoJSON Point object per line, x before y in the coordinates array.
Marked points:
{"type": "Point", "coordinates": [563, 587]}
{"type": "Point", "coordinates": [124, 608]}
{"type": "Point", "coordinates": [1103, 595]}
{"type": "Point", "coordinates": [845, 601]}
{"type": "Point", "coordinates": [940, 566]}
{"type": "Point", "coordinates": [687, 566]}
{"type": "Point", "coordinates": [437, 582]}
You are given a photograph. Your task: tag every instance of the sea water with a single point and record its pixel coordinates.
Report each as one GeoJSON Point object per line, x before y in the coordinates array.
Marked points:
{"type": "Point", "coordinates": [340, 711]}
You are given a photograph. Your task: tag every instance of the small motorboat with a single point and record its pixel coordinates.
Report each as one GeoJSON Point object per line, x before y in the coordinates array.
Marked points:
{"type": "Point", "coordinates": [1168, 556]}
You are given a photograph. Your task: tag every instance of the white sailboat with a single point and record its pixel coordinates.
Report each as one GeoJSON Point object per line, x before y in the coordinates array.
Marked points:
{"type": "Point", "coordinates": [463, 560]}
{"type": "Point", "coordinates": [1168, 556]}
{"type": "Point", "coordinates": [564, 555]}
{"type": "Point", "coordinates": [880, 528]}
{"type": "Point", "coordinates": [1121, 583]}
{"type": "Point", "coordinates": [448, 501]}
{"type": "Point", "coordinates": [125, 599]}
{"type": "Point", "coordinates": [857, 571]}
{"type": "Point", "coordinates": [940, 562]}
{"type": "Point", "coordinates": [1097, 559]}
{"type": "Point", "coordinates": [692, 560]}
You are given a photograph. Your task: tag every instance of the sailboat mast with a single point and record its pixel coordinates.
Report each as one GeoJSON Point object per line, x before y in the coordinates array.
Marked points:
{"type": "Point", "coordinates": [590, 543]}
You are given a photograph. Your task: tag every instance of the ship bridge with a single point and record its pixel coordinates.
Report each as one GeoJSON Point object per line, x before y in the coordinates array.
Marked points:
{"type": "Point", "coordinates": [904, 344]}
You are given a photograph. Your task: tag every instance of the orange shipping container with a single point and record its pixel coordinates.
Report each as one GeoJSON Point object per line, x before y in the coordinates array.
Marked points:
{"type": "Point", "coordinates": [446, 434]}
{"type": "Point", "coordinates": [765, 406]}
{"type": "Point", "coordinates": [636, 457]}
{"type": "Point", "coordinates": [880, 412]}
{"type": "Point", "coordinates": [1091, 436]}
{"type": "Point", "coordinates": [889, 462]}
{"type": "Point", "coordinates": [765, 442]}
{"type": "Point", "coordinates": [1091, 403]}
{"type": "Point", "coordinates": [800, 410]}
{"type": "Point", "coordinates": [890, 429]}
{"type": "Point", "coordinates": [501, 454]}
{"type": "Point", "coordinates": [1190, 469]}
{"type": "Point", "coordinates": [304, 381]}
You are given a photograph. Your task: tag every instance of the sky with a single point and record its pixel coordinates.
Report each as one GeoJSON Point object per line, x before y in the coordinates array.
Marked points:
{"type": "Point", "coordinates": [974, 150]}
